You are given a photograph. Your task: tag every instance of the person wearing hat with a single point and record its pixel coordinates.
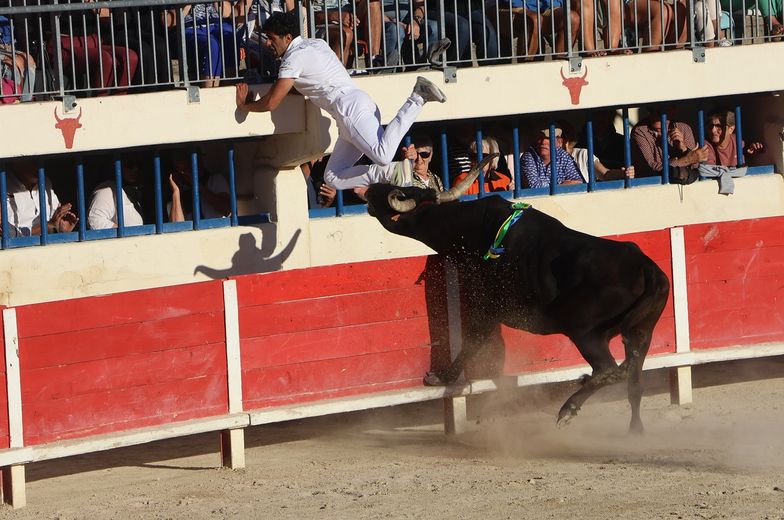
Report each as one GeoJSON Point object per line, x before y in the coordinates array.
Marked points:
{"type": "Point", "coordinates": [536, 161]}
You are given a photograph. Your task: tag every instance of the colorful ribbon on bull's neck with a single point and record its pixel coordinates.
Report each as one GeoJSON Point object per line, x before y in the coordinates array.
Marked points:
{"type": "Point", "coordinates": [497, 249]}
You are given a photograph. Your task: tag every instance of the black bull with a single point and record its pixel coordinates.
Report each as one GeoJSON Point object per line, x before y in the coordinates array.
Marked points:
{"type": "Point", "coordinates": [549, 279]}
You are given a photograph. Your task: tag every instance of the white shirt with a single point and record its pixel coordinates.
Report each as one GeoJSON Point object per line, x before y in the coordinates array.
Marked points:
{"type": "Point", "coordinates": [218, 185]}
{"type": "Point", "coordinates": [102, 213]}
{"type": "Point", "coordinates": [580, 156]}
{"type": "Point", "coordinates": [316, 71]}
{"type": "Point", "coordinates": [23, 206]}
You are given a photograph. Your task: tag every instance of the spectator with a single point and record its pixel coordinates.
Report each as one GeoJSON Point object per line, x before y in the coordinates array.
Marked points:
{"type": "Point", "coordinates": [406, 32]}
{"type": "Point", "coordinates": [424, 178]}
{"type": "Point", "coordinates": [102, 212]}
{"type": "Point", "coordinates": [24, 209]}
{"type": "Point", "coordinates": [258, 56]}
{"type": "Point", "coordinates": [722, 145]}
{"type": "Point", "coordinates": [580, 155]}
{"type": "Point", "coordinates": [140, 29]}
{"type": "Point", "coordinates": [608, 144]}
{"type": "Point", "coordinates": [772, 11]}
{"type": "Point", "coordinates": [210, 39]}
{"type": "Point", "coordinates": [17, 68]}
{"type": "Point", "coordinates": [546, 19]}
{"type": "Point", "coordinates": [214, 199]}
{"type": "Point", "coordinates": [335, 23]}
{"type": "Point", "coordinates": [647, 151]}
{"type": "Point", "coordinates": [611, 31]}
{"type": "Point", "coordinates": [495, 180]}
{"type": "Point", "coordinates": [536, 162]}
{"type": "Point", "coordinates": [659, 21]}
{"type": "Point", "coordinates": [319, 194]}
{"type": "Point", "coordinates": [85, 47]}
{"type": "Point", "coordinates": [463, 26]}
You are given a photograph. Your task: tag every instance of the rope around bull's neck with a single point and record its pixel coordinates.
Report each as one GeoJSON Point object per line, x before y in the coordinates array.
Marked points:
{"type": "Point", "coordinates": [497, 249]}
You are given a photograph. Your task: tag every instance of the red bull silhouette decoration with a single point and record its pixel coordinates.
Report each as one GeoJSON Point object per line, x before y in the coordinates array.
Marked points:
{"type": "Point", "coordinates": [68, 127]}
{"type": "Point", "coordinates": [575, 85]}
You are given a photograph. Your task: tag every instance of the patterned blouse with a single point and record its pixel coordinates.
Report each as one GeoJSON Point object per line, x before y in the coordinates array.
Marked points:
{"type": "Point", "coordinates": [537, 174]}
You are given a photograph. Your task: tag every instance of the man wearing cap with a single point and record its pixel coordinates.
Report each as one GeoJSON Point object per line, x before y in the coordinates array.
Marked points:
{"type": "Point", "coordinates": [536, 162]}
{"type": "Point", "coordinates": [310, 66]}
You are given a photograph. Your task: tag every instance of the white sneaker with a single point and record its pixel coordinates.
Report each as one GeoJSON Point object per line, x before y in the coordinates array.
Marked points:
{"type": "Point", "coordinates": [725, 43]}
{"type": "Point", "coordinates": [428, 90]}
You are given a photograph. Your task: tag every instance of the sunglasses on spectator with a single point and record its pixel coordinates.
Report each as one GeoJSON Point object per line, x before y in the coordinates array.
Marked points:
{"type": "Point", "coordinates": [717, 125]}
{"type": "Point", "coordinates": [424, 154]}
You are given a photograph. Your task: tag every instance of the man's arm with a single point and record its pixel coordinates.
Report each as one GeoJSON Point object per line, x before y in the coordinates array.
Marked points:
{"type": "Point", "coordinates": [268, 101]}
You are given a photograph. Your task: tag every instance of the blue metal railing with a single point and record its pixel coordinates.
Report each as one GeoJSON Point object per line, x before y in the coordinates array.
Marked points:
{"type": "Point", "coordinates": [13, 236]}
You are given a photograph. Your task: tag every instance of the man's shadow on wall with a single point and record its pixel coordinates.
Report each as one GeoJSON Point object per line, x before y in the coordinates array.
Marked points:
{"type": "Point", "coordinates": [250, 259]}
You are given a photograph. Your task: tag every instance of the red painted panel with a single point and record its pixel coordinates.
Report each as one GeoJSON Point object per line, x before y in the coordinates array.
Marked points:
{"type": "Point", "coordinates": [126, 408]}
{"type": "Point", "coordinates": [332, 280]}
{"type": "Point", "coordinates": [333, 394]}
{"type": "Point", "coordinates": [336, 311]}
{"type": "Point", "coordinates": [735, 279]}
{"type": "Point", "coordinates": [121, 308]}
{"type": "Point", "coordinates": [732, 236]}
{"type": "Point", "coordinates": [121, 340]}
{"type": "Point", "coordinates": [342, 342]}
{"type": "Point", "coordinates": [60, 382]}
{"type": "Point", "coordinates": [5, 440]}
{"type": "Point", "coordinates": [302, 381]}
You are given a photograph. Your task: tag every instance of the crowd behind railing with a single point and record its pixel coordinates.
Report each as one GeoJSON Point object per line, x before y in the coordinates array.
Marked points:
{"type": "Point", "coordinates": [53, 48]}
{"type": "Point", "coordinates": [153, 191]}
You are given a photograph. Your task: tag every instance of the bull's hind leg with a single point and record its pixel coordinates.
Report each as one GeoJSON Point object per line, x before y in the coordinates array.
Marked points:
{"type": "Point", "coordinates": [596, 351]}
{"type": "Point", "coordinates": [636, 344]}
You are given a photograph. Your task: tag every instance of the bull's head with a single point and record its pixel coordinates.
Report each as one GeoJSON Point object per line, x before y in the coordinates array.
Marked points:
{"type": "Point", "coordinates": [575, 85]}
{"type": "Point", "coordinates": [68, 127]}
{"type": "Point", "coordinates": [387, 202]}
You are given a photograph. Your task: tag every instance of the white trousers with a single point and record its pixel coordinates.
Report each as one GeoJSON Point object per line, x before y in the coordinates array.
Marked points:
{"type": "Point", "coordinates": [360, 133]}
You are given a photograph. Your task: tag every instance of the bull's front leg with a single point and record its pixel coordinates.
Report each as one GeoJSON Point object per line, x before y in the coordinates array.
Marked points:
{"type": "Point", "coordinates": [475, 339]}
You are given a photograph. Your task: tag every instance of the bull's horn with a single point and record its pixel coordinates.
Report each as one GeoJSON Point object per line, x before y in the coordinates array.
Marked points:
{"type": "Point", "coordinates": [586, 72]}
{"type": "Point", "coordinates": [456, 191]}
{"type": "Point", "coordinates": [55, 115]}
{"type": "Point", "coordinates": [562, 75]}
{"type": "Point", "coordinates": [401, 206]}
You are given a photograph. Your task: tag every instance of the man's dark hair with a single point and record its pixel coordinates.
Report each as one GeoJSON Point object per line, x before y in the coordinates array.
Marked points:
{"type": "Point", "coordinates": [282, 24]}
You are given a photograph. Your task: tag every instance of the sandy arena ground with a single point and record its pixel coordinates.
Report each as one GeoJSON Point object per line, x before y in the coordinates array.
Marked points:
{"type": "Point", "coordinates": [721, 457]}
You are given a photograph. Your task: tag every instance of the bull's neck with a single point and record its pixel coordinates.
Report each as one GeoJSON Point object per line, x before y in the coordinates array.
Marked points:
{"type": "Point", "coordinates": [464, 228]}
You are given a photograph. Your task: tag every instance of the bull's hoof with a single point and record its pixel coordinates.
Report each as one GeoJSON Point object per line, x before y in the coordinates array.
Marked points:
{"type": "Point", "coordinates": [565, 415]}
{"type": "Point", "coordinates": [636, 429]}
{"type": "Point", "coordinates": [432, 379]}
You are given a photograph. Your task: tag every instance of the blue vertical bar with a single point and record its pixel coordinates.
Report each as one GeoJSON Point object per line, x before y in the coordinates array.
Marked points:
{"type": "Point", "coordinates": [553, 167]}
{"type": "Point", "coordinates": [627, 145]}
{"type": "Point", "coordinates": [739, 137]}
{"type": "Point", "coordinates": [516, 160]}
{"type": "Point", "coordinates": [118, 198]}
{"type": "Point", "coordinates": [444, 160]}
{"type": "Point", "coordinates": [82, 209]}
{"type": "Point", "coordinates": [4, 208]}
{"type": "Point", "coordinates": [232, 187]}
{"type": "Point", "coordinates": [195, 189]}
{"type": "Point", "coordinates": [156, 166]}
{"type": "Point", "coordinates": [339, 203]}
{"type": "Point", "coordinates": [43, 216]}
{"type": "Point", "coordinates": [701, 127]}
{"type": "Point", "coordinates": [665, 151]}
{"type": "Point", "coordinates": [479, 156]}
{"type": "Point", "coordinates": [591, 166]}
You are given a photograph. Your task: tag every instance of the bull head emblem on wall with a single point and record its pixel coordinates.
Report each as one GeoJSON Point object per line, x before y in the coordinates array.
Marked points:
{"type": "Point", "coordinates": [68, 127]}
{"type": "Point", "coordinates": [575, 85]}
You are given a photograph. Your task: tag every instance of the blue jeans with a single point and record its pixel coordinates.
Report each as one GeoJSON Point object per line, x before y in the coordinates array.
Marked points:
{"type": "Point", "coordinates": [206, 42]}
{"type": "Point", "coordinates": [459, 30]}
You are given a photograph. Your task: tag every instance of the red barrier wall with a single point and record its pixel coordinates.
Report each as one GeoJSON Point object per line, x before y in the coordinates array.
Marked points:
{"type": "Point", "coordinates": [339, 330]}
{"type": "Point", "coordinates": [735, 277]}
{"type": "Point", "coordinates": [128, 360]}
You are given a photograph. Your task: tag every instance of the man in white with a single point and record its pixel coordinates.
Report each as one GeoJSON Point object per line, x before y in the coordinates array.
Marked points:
{"type": "Point", "coordinates": [102, 213]}
{"type": "Point", "coordinates": [24, 207]}
{"type": "Point", "coordinates": [310, 66]}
